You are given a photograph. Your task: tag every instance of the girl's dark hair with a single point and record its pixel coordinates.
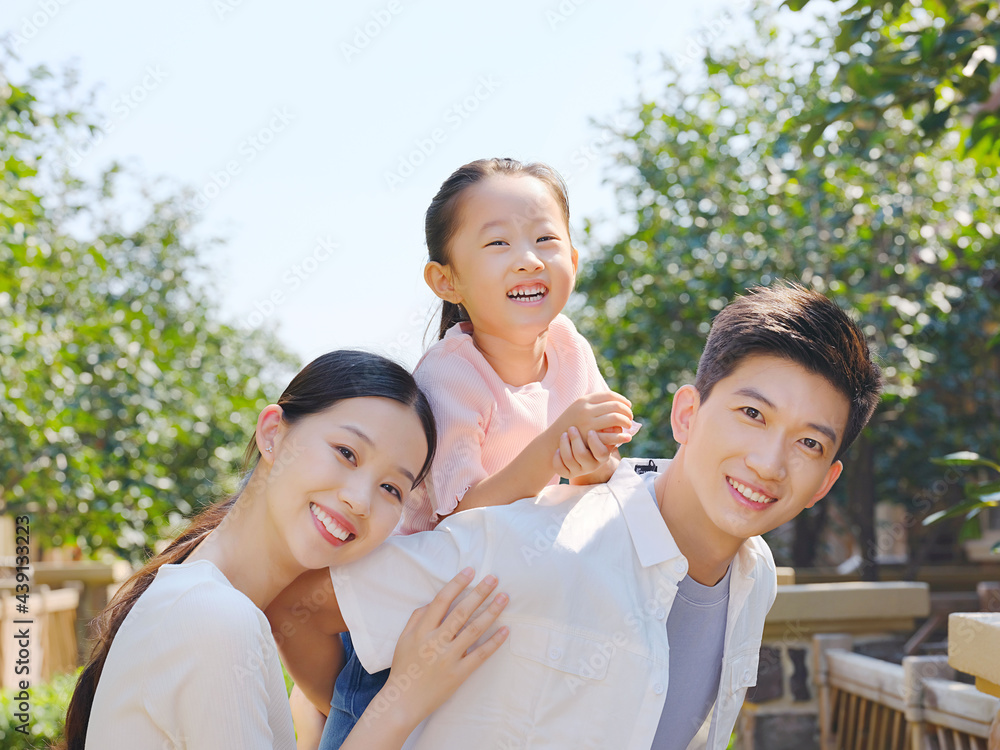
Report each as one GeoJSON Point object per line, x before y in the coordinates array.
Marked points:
{"type": "Point", "coordinates": [441, 220]}
{"type": "Point", "coordinates": [328, 379]}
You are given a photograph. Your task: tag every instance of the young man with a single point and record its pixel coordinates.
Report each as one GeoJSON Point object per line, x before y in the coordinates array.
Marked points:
{"type": "Point", "coordinates": [638, 604]}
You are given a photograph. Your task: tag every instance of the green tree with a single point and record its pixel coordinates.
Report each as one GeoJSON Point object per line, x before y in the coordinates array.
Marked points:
{"type": "Point", "coordinates": [719, 195]}
{"type": "Point", "coordinates": [936, 60]}
{"type": "Point", "coordinates": [124, 400]}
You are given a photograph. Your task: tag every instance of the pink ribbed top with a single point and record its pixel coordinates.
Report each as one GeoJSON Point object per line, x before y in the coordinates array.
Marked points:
{"type": "Point", "coordinates": [483, 423]}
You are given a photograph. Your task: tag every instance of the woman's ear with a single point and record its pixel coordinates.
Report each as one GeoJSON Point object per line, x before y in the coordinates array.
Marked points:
{"type": "Point", "coordinates": [268, 422]}
{"type": "Point", "coordinates": [439, 279]}
{"type": "Point", "coordinates": [576, 259]}
{"type": "Point", "coordinates": [683, 411]}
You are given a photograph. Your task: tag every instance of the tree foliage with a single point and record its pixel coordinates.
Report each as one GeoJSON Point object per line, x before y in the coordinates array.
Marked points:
{"type": "Point", "coordinates": [720, 193]}
{"type": "Point", "coordinates": [936, 60]}
{"type": "Point", "coordinates": [124, 401]}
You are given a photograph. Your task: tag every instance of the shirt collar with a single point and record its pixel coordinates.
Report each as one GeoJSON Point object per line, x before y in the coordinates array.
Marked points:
{"type": "Point", "coordinates": [650, 536]}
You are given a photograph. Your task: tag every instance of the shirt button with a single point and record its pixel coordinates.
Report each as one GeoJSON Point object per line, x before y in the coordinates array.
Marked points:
{"type": "Point", "coordinates": [680, 567]}
{"type": "Point", "coordinates": [555, 653]}
{"type": "Point", "coordinates": [658, 689]}
{"type": "Point", "coordinates": [661, 613]}
{"type": "Point", "coordinates": [746, 675]}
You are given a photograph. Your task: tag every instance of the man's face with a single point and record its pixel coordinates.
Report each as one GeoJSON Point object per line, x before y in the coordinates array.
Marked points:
{"type": "Point", "coordinates": [759, 450]}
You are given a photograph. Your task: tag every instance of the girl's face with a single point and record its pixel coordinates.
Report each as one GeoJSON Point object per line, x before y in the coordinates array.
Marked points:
{"type": "Point", "coordinates": [338, 479]}
{"type": "Point", "coordinates": [511, 262]}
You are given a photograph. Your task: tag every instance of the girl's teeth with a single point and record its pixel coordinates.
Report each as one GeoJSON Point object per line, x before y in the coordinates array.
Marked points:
{"type": "Point", "coordinates": [750, 494]}
{"type": "Point", "coordinates": [535, 291]}
{"type": "Point", "coordinates": [329, 524]}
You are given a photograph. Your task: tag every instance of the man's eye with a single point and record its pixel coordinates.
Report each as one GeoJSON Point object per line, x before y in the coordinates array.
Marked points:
{"type": "Point", "coordinates": [813, 444]}
{"type": "Point", "coordinates": [751, 412]}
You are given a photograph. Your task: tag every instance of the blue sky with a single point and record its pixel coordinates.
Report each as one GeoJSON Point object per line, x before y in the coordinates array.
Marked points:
{"type": "Point", "coordinates": [316, 133]}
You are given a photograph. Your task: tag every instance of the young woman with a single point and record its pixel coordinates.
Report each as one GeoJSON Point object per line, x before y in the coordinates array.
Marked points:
{"type": "Point", "coordinates": [185, 657]}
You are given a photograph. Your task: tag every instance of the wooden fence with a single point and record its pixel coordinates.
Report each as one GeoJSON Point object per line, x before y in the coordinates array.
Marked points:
{"type": "Point", "coordinates": [870, 704]}
{"type": "Point", "coordinates": [49, 647]}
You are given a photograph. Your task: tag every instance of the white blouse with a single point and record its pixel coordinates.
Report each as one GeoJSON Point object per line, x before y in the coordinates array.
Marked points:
{"type": "Point", "coordinates": [193, 666]}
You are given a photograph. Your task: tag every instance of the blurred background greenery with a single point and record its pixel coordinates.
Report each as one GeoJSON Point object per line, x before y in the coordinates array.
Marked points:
{"type": "Point", "coordinates": [865, 166]}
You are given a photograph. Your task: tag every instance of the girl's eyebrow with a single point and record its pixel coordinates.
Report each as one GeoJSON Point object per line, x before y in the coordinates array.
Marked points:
{"type": "Point", "coordinates": [490, 224]}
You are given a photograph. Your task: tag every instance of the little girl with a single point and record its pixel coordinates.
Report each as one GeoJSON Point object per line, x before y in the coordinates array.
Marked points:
{"type": "Point", "coordinates": [515, 390]}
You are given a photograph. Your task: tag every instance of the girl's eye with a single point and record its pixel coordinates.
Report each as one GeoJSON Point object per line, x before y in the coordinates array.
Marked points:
{"type": "Point", "coordinates": [496, 242]}
{"type": "Point", "coordinates": [546, 238]}
{"type": "Point", "coordinates": [751, 412]}
{"type": "Point", "coordinates": [346, 453]}
{"type": "Point", "coordinates": [393, 491]}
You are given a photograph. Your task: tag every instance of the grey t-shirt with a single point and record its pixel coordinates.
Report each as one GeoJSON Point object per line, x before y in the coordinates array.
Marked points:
{"type": "Point", "coordinates": [696, 631]}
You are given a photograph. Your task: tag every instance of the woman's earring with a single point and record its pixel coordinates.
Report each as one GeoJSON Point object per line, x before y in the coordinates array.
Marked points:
{"type": "Point", "coordinates": [269, 449]}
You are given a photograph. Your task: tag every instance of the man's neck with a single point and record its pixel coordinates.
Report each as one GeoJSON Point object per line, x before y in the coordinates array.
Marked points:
{"type": "Point", "coordinates": [709, 550]}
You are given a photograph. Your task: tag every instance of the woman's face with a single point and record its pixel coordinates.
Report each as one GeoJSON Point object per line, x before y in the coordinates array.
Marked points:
{"type": "Point", "coordinates": [338, 479]}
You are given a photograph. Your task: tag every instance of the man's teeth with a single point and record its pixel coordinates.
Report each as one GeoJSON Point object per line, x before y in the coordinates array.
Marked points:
{"type": "Point", "coordinates": [329, 524]}
{"type": "Point", "coordinates": [749, 494]}
{"type": "Point", "coordinates": [528, 293]}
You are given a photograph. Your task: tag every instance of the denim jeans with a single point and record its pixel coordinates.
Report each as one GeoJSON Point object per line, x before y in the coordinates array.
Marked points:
{"type": "Point", "coordinates": [354, 690]}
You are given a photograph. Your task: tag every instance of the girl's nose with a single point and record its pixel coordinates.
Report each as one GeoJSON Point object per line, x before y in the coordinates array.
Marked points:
{"type": "Point", "coordinates": [529, 261]}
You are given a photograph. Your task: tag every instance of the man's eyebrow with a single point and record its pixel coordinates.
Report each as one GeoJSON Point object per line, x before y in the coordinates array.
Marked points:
{"type": "Point", "coordinates": [365, 438]}
{"type": "Point", "coordinates": [757, 395]}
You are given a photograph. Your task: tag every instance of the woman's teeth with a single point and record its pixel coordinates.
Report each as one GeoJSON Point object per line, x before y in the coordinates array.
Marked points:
{"type": "Point", "coordinates": [749, 494]}
{"type": "Point", "coordinates": [528, 293]}
{"type": "Point", "coordinates": [329, 524]}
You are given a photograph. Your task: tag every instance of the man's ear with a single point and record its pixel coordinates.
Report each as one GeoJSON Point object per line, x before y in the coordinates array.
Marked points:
{"type": "Point", "coordinates": [832, 475]}
{"type": "Point", "coordinates": [266, 435]}
{"type": "Point", "coordinates": [439, 279]}
{"type": "Point", "coordinates": [682, 412]}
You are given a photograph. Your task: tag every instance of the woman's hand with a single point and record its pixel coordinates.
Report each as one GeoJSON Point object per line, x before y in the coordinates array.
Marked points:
{"type": "Point", "coordinates": [431, 660]}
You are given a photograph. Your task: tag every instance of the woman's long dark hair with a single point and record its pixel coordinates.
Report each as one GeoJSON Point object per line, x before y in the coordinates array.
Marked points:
{"type": "Point", "coordinates": [333, 377]}
{"type": "Point", "coordinates": [441, 219]}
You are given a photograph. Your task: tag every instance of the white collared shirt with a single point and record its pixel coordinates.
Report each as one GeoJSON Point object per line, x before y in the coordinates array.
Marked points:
{"type": "Point", "coordinates": [592, 573]}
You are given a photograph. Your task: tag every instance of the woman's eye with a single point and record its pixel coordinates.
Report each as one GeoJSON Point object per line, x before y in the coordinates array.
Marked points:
{"type": "Point", "coordinates": [346, 453]}
{"type": "Point", "coordinates": [393, 491]}
{"type": "Point", "coordinates": [751, 412]}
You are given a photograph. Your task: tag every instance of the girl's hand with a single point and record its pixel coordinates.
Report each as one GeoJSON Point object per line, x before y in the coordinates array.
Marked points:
{"type": "Point", "coordinates": [584, 463]}
{"type": "Point", "coordinates": [431, 660]}
{"type": "Point", "coordinates": [607, 413]}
